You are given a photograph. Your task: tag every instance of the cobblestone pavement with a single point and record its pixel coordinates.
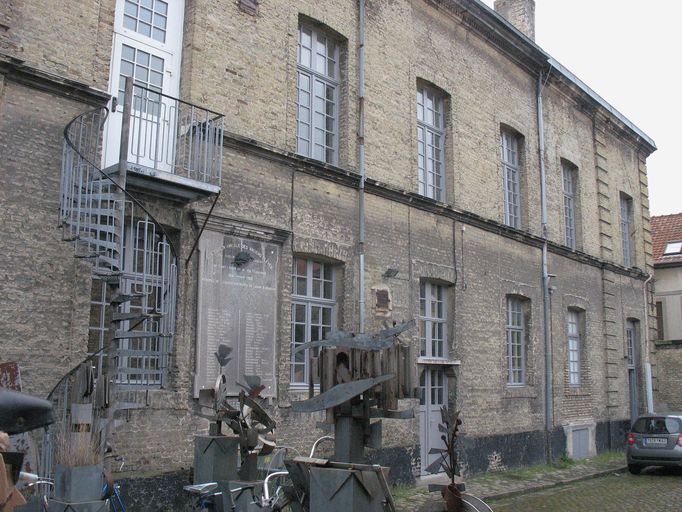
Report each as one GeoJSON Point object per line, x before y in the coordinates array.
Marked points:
{"type": "Point", "coordinates": [653, 491]}
{"type": "Point", "coordinates": [496, 486]}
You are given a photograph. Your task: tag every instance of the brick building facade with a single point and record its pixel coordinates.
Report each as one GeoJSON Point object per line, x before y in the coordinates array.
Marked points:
{"type": "Point", "coordinates": [666, 233]}
{"type": "Point", "coordinates": [416, 149]}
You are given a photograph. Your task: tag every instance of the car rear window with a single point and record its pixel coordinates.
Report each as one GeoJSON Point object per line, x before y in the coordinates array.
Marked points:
{"type": "Point", "coordinates": [657, 425]}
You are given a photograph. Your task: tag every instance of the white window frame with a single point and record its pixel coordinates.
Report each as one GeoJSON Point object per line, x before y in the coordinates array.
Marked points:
{"type": "Point", "coordinates": [158, 17]}
{"type": "Point", "coordinates": [574, 347]}
{"type": "Point", "coordinates": [313, 114]}
{"type": "Point", "coordinates": [569, 188]}
{"type": "Point", "coordinates": [433, 320]}
{"type": "Point", "coordinates": [309, 301]}
{"type": "Point", "coordinates": [673, 247]}
{"type": "Point", "coordinates": [511, 175]}
{"type": "Point", "coordinates": [626, 228]}
{"type": "Point", "coordinates": [631, 340]}
{"type": "Point", "coordinates": [435, 390]}
{"type": "Point", "coordinates": [516, 342]}
{"type": "Point", "coordinates": [431, 142]}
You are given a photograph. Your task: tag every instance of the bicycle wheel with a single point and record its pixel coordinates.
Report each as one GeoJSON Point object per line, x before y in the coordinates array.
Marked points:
{"type": "Point", "coordinates": [474, 504]}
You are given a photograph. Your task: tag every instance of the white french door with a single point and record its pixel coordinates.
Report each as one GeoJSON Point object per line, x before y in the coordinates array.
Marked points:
{"type": "Point", "coordinates": [147, 45]}
{"type": "Point", "coordinates": [434, 392]}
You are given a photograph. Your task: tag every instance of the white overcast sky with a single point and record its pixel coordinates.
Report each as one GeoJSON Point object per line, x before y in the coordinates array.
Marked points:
{"type": "Point", "coordinates": [629, 52]}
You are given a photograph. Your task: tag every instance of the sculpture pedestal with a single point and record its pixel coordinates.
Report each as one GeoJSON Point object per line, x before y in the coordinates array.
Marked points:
{"type": "Point", "coordinates": [341, 487]}
{"type": "Point", "coordinates": [216, 459]}
{"type": "Point", "coordinates": [341, 490]}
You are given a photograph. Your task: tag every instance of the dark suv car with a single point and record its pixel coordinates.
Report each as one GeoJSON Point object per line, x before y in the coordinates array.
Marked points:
{"type": "Point", "coordinates": [655, 440]}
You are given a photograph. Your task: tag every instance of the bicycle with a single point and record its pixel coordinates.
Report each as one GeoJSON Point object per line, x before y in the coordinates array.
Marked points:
{"type": "Point", "coordinates": [44, 483]}
{"type": "Point", "coordinates": [111, 491]}
{"type": "Point", "coordinates": [206, 497]}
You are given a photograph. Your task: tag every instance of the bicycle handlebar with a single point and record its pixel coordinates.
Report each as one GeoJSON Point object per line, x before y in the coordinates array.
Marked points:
{"type": "Point", "coordinates": [266, 489]}
{"type": "Point", "coordinates": [318, 441]}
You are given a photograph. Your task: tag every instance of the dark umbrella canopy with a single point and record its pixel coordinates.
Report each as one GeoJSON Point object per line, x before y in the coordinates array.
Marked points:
{"type": "Point", "coordinates": [20, 412]}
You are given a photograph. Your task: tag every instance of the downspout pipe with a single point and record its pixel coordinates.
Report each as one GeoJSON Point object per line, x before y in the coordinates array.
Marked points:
{"type": "Point", "coordinates": [361, 163]}
{"type": "Point", "coordinates": [546, 290]}
{"type": "Point", "coordinates": [647, 358]}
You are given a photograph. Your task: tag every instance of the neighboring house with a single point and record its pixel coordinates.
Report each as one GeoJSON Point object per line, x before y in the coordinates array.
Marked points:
{"type": "Point", "coordinates": [666, 232]}
{"type": "Point", "coordinates": [320, 203]}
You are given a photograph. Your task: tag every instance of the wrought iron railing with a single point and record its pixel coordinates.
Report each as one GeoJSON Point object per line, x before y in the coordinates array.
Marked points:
{"type": "Point", "coordinates": [171, 135]}
{"type": "Point", "coordinates": [89, 201]}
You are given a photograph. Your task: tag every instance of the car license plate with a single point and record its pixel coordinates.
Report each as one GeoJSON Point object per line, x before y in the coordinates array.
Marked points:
{"type": "Point", "coordinates": [655, 441]}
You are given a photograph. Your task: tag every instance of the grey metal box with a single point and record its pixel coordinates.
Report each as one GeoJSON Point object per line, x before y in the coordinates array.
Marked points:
{"type": "Point", "coordinates": [215, 458]}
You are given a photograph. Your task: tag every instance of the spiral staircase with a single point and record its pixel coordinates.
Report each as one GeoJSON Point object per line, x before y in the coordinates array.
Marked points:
{"type": "Point", "coordinates": [132, 256]}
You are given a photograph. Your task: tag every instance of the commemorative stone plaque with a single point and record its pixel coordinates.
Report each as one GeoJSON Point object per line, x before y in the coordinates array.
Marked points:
{"type": "Point", "coordinates": [237, 306]}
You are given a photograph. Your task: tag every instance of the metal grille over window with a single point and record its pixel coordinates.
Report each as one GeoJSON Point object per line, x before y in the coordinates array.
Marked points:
{"type": "Point", "coordinates": [569, 205]}
{"type": "Point", "coordinates": [147, 17]}
{"type": "Point", "coordinates": [312, 311]}
{"type": "Point", "coordinates": [515, 342]}
{"type": "Point", "coordinates": [144, 337]}
{"type": "Point", "coordinates": [432, 320]}
{"type": "Point", "coordinates": [573, 328]}
{"type": "Point", "coordinates": [318, 80]}
{"type": "Point", "coordinates": [512, 180]}
{"type": "Point", "coordinates": [430, 139]}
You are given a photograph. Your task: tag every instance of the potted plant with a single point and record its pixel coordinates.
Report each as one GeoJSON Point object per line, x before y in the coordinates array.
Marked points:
{"type": "Point", "coordinates": [78, 470]}
{"type": "Point", "coordinates": [447, 459]}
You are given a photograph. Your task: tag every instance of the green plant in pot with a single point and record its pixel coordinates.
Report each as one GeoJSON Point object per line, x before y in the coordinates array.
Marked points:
{"type": "Point", "coordinates": [447, 459]}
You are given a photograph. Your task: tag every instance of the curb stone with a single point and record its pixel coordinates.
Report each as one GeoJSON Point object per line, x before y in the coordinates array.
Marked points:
{"type": "Point", "coordinates": [548, 485]}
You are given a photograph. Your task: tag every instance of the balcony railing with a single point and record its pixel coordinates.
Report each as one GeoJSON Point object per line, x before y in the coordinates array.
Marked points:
{"type": "Point", "coordinates": [173, 136]}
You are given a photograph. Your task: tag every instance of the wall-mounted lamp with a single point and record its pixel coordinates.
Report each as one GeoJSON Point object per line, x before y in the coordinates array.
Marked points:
{"type": "Point", "coordinates": [390, 272]}
{"type": "Point", "coordinates": [241, 259]}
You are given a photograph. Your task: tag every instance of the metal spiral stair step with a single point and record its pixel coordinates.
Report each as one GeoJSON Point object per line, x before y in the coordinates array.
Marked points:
{"type": "Point", "coordinates": [122, 335]}
{"type": "Point", "coordinates": [108, 276]}
{"type": "Point", "coordinates": [121, 298]}
{"type": "Point", "coordinates": [122, 317]}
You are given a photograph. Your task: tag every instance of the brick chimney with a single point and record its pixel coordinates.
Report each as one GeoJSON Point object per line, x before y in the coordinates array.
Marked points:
{"type": "Point", "coordinates": [520, 13]}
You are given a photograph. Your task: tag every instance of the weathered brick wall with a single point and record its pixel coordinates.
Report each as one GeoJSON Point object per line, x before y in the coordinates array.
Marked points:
{"type": "Point", "coordinates": [578, 287]}
{"type": "Point", "coordinates": [568, 136]}
{"type": "Point", "coordinates": [45, 290]}
{"type": "Point", "coordinates": [492, 270]}
{"type": "Point", "coordinates": [71, 40]}
{"type": "Point", "coordinates": [245, 66]}
{"type": "Point", "coordinates": [520, 13]}
{"type": "Point", "coordinates": [667, 396]}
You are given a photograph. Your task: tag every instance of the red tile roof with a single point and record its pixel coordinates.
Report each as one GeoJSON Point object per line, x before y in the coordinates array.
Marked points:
{"type": "Point", "coordinates": [664, 229]}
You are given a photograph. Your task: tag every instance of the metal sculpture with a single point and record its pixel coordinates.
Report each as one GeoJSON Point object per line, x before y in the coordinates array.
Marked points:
{"type": "Point", "coordinates": [456, 500]}
{"type": "Point", "coordinates": [383, 339]}
{"type": "Point", "coordinates": [248, 421]}
{"type": "Point", "coordinates": [360, 377]}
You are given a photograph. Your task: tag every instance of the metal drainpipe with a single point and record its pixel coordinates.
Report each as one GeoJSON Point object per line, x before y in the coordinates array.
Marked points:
{"type": "Point", "coordinates": [647, 361]}
{"type": "Point", "coordinates": [361, 160]}
{"type": "Point", "coordinates": [549, 416]}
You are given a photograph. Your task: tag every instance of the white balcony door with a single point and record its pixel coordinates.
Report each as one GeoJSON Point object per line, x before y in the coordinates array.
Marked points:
{"type": "Point", "coordinates": [147, 45]}
{"type": "Point", "coordinates": [433, 385]}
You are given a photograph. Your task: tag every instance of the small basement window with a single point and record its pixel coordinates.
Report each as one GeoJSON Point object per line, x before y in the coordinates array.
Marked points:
{"type": "Point", "coordinates": [673, 248]}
